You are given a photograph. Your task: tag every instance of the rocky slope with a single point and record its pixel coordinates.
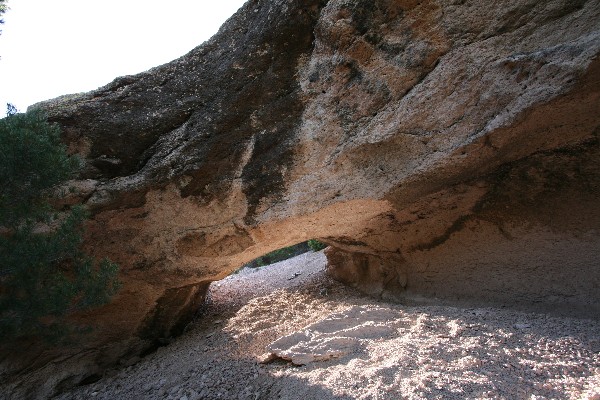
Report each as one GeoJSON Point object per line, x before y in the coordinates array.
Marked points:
{"type": "Point", "coordinates": [445, 149]}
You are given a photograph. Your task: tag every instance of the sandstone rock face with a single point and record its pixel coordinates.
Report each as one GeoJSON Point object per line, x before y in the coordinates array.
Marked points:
{"type": "Point", "coordinates": [444, 149]}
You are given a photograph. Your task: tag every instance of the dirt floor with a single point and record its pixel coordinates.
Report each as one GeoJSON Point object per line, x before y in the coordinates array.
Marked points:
{"type": "Point", "coordinates": [286, 331]}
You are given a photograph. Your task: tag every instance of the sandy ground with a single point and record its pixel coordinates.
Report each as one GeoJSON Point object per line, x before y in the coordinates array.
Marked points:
{"type": "Point", "coordinates": [332, 343]}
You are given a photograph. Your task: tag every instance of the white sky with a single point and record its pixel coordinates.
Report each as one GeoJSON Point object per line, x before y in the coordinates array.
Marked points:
{"type": "Point", "coordinates": [53, 47]}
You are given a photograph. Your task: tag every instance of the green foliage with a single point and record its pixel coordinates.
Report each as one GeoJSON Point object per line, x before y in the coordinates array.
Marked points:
{"type": "Point", "coordinates": [276, 256]}
{"type": "Point", "coordinates": [3, 9]}
{"type": "Point", "coordinates": [44, 275]}
{"type": "Point", "coordinates": [32, 161]}
{"type": "Point", "coordinates": [285, 253]}
{"type": "Point", "coordinates": [315, 245]}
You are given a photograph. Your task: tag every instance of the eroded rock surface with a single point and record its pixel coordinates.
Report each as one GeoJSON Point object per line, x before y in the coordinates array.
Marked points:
{"type": "Point", "coordinates": [335, 336]}
{"type": "Point", "coordinates": [444, 149]}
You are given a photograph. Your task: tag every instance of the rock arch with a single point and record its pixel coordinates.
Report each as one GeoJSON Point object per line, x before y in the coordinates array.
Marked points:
{"type": "Point", "coordinates": [444, 149]}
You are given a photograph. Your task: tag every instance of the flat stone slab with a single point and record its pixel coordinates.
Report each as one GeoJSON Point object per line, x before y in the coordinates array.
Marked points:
{"type": "Point", "coordinates": [336, 336]}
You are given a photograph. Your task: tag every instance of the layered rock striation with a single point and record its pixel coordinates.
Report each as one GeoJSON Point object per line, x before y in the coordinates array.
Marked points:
{"type": "Point", "coordinates": [446, 150]}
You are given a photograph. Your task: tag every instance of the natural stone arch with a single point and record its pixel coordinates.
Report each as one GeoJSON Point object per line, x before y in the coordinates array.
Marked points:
{"type": "Point", "coordinates": [431, 143]}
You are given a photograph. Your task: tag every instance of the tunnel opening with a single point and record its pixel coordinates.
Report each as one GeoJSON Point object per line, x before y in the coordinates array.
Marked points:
{"type": "Point", "coordinates": [280, 268]}
{"type": "Point", "coordinates": [284, 253]}
{"type": "Point", "coordinates": [286, 267]}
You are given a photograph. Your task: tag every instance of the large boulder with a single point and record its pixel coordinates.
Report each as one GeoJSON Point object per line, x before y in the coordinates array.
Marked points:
{"type": "Point", "coordinates": [446, 150]}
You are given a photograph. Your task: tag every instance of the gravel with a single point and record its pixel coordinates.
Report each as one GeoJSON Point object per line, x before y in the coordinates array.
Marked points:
{"type": "Point", "coordinates": [347, 346]}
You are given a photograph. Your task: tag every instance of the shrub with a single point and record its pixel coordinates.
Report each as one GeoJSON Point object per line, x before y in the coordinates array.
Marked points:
{"type": "Point", "coordinates": [44, 275]}
{"type": "Point", "coordinates": [279, 255]}
{"type": "Point", "coordinates": [315, 245]}
{"type": "Point", "coordinates": [3, 9]}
